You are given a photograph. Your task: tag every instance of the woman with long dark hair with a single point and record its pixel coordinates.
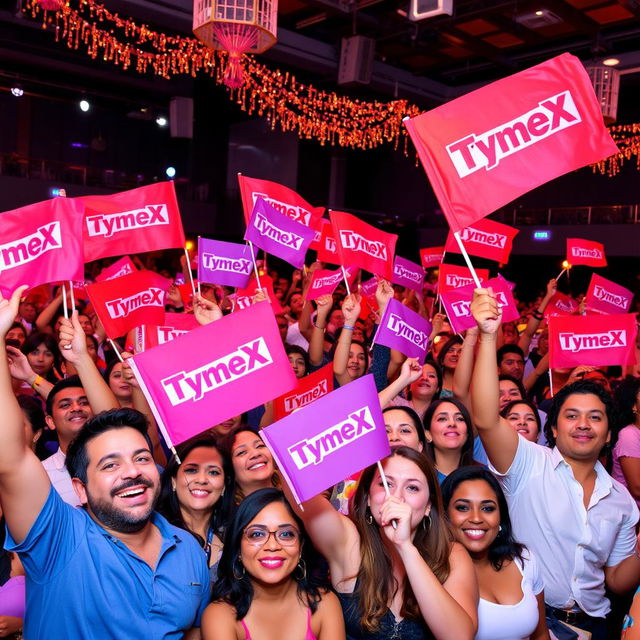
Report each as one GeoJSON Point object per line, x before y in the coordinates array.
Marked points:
{"type": "Point", "coordinates": [511, 605]}
{"type": "Point", "coordinates": [197, 494]}
{"type": "Point", "coordinates": [449, 433]}
{"type": "Point", "coordinates": [44, 356]}
{"type": "Point", "coordinates": [393, 561]}
{"type": "Point", "coordinates": [267, 579]}
{"type": "Point", "coordinates": [448, 359]}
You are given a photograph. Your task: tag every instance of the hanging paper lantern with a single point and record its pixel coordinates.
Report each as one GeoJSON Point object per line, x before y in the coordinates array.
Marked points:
{"type": "Point", "coordinates": [237, 27]}
{"type": "Point", "coordinates": [51, 5]}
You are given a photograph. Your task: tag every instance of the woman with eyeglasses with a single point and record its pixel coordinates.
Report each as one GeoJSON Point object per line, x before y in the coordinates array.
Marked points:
{"type": "Point", "coordinates": [267, 585]}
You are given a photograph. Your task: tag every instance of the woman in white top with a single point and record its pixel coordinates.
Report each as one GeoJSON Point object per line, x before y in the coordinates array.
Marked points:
{"type": "Point", "coordinates": [511, 605]}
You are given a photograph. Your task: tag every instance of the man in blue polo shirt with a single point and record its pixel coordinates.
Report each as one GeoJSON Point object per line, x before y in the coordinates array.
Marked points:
{"type": "Point", "coordinates": [114, 569]}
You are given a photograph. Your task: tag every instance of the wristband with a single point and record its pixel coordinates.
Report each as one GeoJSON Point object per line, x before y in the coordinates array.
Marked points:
{"type": "Point", "coordinates": [317, 327]}
{"type": "Point", "coordinates": [36, 382]}
{"type": "Point", "coordinates": [348, 326]}
{"type": "Point", "coordinates": [537, 315]}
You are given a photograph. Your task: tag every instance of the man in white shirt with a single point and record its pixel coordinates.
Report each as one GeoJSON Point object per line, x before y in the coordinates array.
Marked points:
{"type": "Point", "coordinates": [579, 522]}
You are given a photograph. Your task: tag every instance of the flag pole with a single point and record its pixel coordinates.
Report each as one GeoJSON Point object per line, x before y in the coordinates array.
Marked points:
{"type": "Point", "coordinates": [560, 275]}
{"type": "Point", "coordinates": [193, 287]}
{"type": "Point", "coordinates": [346, 279]}
{"type": "Point", "coordinates": [465, 255]}
{"type": "Point", "coordinates": [383, 477]}
{"type": "Point", "coordinates": [73, 299]}
{"type": "Point", "coordinates": [199, 265]}
{"type": "Point", "coordinates": [65, 310]}
{"type": "Point", "coordinates": [116, 350]}
{"type": "Point", "coordinates": [255, 265]}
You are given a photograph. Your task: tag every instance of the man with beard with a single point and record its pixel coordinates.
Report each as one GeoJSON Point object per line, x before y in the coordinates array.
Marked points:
{"type": "Point", "coordinates": [114, 569]}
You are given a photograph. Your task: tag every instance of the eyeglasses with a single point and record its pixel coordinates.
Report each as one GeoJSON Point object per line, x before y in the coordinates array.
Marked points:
{"type": "Point", "coordinates": [258, 535]}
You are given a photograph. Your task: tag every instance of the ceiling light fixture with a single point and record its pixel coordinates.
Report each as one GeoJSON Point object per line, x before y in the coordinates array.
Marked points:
{"type": "Point", "coordinates": [17, 91]}
{"type": "Point", "coordinates": [85, 105]}
{"type": "Point", "coordinates": [611, 62]}
{"type": "Point", "coordinates": [539, 12]}
{"type": "Point", "coordinates": [161, 121]}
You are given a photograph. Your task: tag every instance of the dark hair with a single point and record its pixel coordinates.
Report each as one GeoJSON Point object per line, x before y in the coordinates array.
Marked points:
{"type": "Point", "coordinates": [237, 590]}
{"type": "Point", "coordinates": [504, 547]}
{"type": "Point", "coordinates": [93, 339]}
{"type": "Point", "coordinates": [77, 459]}
{"type": "Point", "coordinates": [415, 419]}
{"type": "Point", "coordinates": [624, 400]}
{"type": "Point", "coordinates": [453, 340]}
{"type": "Point", "coordinates": [294, 348]}
{"type": "Point", "coordinates": [508, 348]}
{"type": "Point", "coordinates": [581, 387]}
{"type": "Point", "coordinates": [110, 366]}
{"type": "Point", "coordinates": [18, 325]}
{"type": "Point", "coordinates": [168, 504]}
{"type": "Point", "coordinates": [466, 454]}
{"type": "Point", "coordinates": [33, 341]}
{"type": "Point", "coordinates": [518, 383]}
{"type": "Point", "coordinates": [358, 342]}
{"type": "Point", "coordinates": [438, 369]}
{"type": "Point", "coordinates": [61, 385]}
{"type": "Point", "coordinates": [33, 410]}
{"type": "Point", "coordinates": [509, 406]}
{"type": "Point", "coordinates": [433, 539]}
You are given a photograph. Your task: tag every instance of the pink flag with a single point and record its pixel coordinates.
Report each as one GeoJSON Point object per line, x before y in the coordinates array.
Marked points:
{"type": "Point", "coordinates": [604, 296]}
{"type": "Point", "coordinates": [431, 256]}
{"type": "Point", "coordinates": [368, 288]}
{"type": "Point", "coordinates": [122, 267]}
{"type": "Point", "coordinates": [488, 147]}
{"type": "Point", "coordinates": [486, 239]}
{"type": "Point", "coordinates": [214, 372]}
{"type": "Point", "coordinates": [592, 340]}
{"type": "Point", "coordinates": [404, 330]}
{"type": "Point", "coordinates": [174, 325]}
{"type": "Point", "coordinates": [457, 304]}
{"type": "Point", "coordinates": [560, 305]}
{"type": "Point", "coordinates": [329, 440]}
{"type": "Point", "coordinates": [41, 243]}
{"type": "Point", "coordinates": [128, 301]}
{"type": "Point", "coordinates": [407, 274]}
{"type": "Point", "coordinates": [586, 252]}
{"type": "Point", "coordinates": [325, 282]}
{"type": "Point", "coordinates": [363, 245]}
{"type": "Point", "coordinates": [452, 276]}
{"type": "Point", "coordinates": [309, 389]}
{"type": "Point", "coordinates": [279, 235]}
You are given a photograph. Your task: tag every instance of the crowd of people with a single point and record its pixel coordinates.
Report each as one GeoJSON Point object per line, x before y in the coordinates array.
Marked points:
{"type": "Point", "coordinates": [512, 509]}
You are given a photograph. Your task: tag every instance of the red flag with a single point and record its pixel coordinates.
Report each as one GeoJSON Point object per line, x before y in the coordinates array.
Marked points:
{"type": "Point", "coordinates": [121, 267]}
{"type": "Point", "coordinates": [135, 221]}
{"type": "Point", "coordinates": [309, 388]}
{"type": "Point", "coordinates": [281, 198]}
{"type": "Point", "coordinates": [126, 302]}
{"type": "Point", "coordinates": [431, 256]}
{"type": "Point", "coordinates": [486, 239]}
{"type": "Point", "coordinates": [175, 324]}
{"type": "Point", "coordinates": [587, 252]}
{"type": "Point", "coordinates": [363, 245]}
{"type": "Point", "coordinates": [452, 276]}
{"type": "Point", "coordinates": [244, 296]}
{"type": "Point", "coordinates": [41, 243]}
{"type": "Point", "coordinates": [490, 146]}
{"type": "Point", "coordinates": [560, 304]}
{"type": "Point", "coordinates": [327, 248]}
{"type": "Point", "coordinates": [604, 296]}
{"type": "Point", "coordinates": [592, 340]}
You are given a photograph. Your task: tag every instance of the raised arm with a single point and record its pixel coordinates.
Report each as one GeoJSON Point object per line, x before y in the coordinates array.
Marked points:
{"type": "Point", "coordinates": [24, 484]}
{"type": "Point", "coordinates": [46, 316]}
{"type": "Point", "coordinates": [316, 344]}
{"type": "Point", "coordinates": [73, 346]}
{"type": "Point", "coordinates": [536, 317]}
{"type": "Point", "coordinates": [541, 368]}
{"type": "Point", "coordinates": [20, 369]}
{"type": "Point", "coordinates": [409, 373]}
{"type": "Point", "coordinates": [500, 440]}
{"type": "Point", "coordinates": [350, 311]}
{"type": "Point", "coordinates": [464, 370]}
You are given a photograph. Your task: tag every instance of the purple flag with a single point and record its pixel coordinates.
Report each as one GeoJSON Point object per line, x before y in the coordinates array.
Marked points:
{"type": "Point", "coordinates": [330, 439]}
{"type": "Point", "coordinates": [457, 303]}
{"type": "Point", "coordinates": [404, 330]}
{"type": "Point", "coordinates": [408, 274]}
{"type": "Point", "coordinates": [225, 263]}
{"type": "Point", "coordinates": [369, 287]}
{"type": "Point", "coordinates": [278, 234]}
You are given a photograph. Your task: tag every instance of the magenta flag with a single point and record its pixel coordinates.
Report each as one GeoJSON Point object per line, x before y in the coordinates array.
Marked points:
{"type": "Point", "coordinates": [592, 340]}
{"type": "Point", "coordinates": [329, 440]}
{"type": "Point", "coordinates": [369, 287]}
{"type": "Point", "coordinates": [214, 372]}
{"type": "Point", "coordinates": [606, 297]}
{"type": "Point", "coordinates": [404, 330]}
{"type": "Point", "coordinates": [407, 273]}
{"type": "Point", "coordinates": [122, 267]}
{"type": "Point", "coordinates": [325, 281]}
{"type": "Point", "coordinates": [457, 303]}
{"type": "Point", "coordinates": [225, 263]}
{"type": "Point", "coordinates": [41, 243]}
{"type": "Point", "coordinates": [278, 234]}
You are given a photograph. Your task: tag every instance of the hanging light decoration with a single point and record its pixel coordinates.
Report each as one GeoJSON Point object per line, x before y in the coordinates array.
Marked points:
{"type": "Point", "coordinates": [237, 27]}
{"type": "Point", "coordinates": [51, 5]}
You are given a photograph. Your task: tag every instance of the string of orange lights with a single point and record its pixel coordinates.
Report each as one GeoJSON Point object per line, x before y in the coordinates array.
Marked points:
{"type": "Point", "coordinates": [328, 117]}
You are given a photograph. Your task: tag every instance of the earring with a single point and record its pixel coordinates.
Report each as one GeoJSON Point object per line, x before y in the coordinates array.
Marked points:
{"type": "Point", "coordinates": [369, 518]}
{"type": "Point", "coordinates": [426, 521]}
{"type": "Point", "coordinates": [302, 566]}
{"type": "Point", "coordinates": [499, 528]}
{"type": "Point", "coordinates": [236, 574]}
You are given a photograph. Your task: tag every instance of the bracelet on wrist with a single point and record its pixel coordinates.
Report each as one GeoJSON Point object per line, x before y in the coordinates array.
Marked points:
{"type": "Point", "coordinates": [537, 315]}
{"type": "Point", "coordinates": [37, 380]}
{"type": "Point", "coordinates": [348, 326]}
{"type": "Point", "coordinates": [317, 327]}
